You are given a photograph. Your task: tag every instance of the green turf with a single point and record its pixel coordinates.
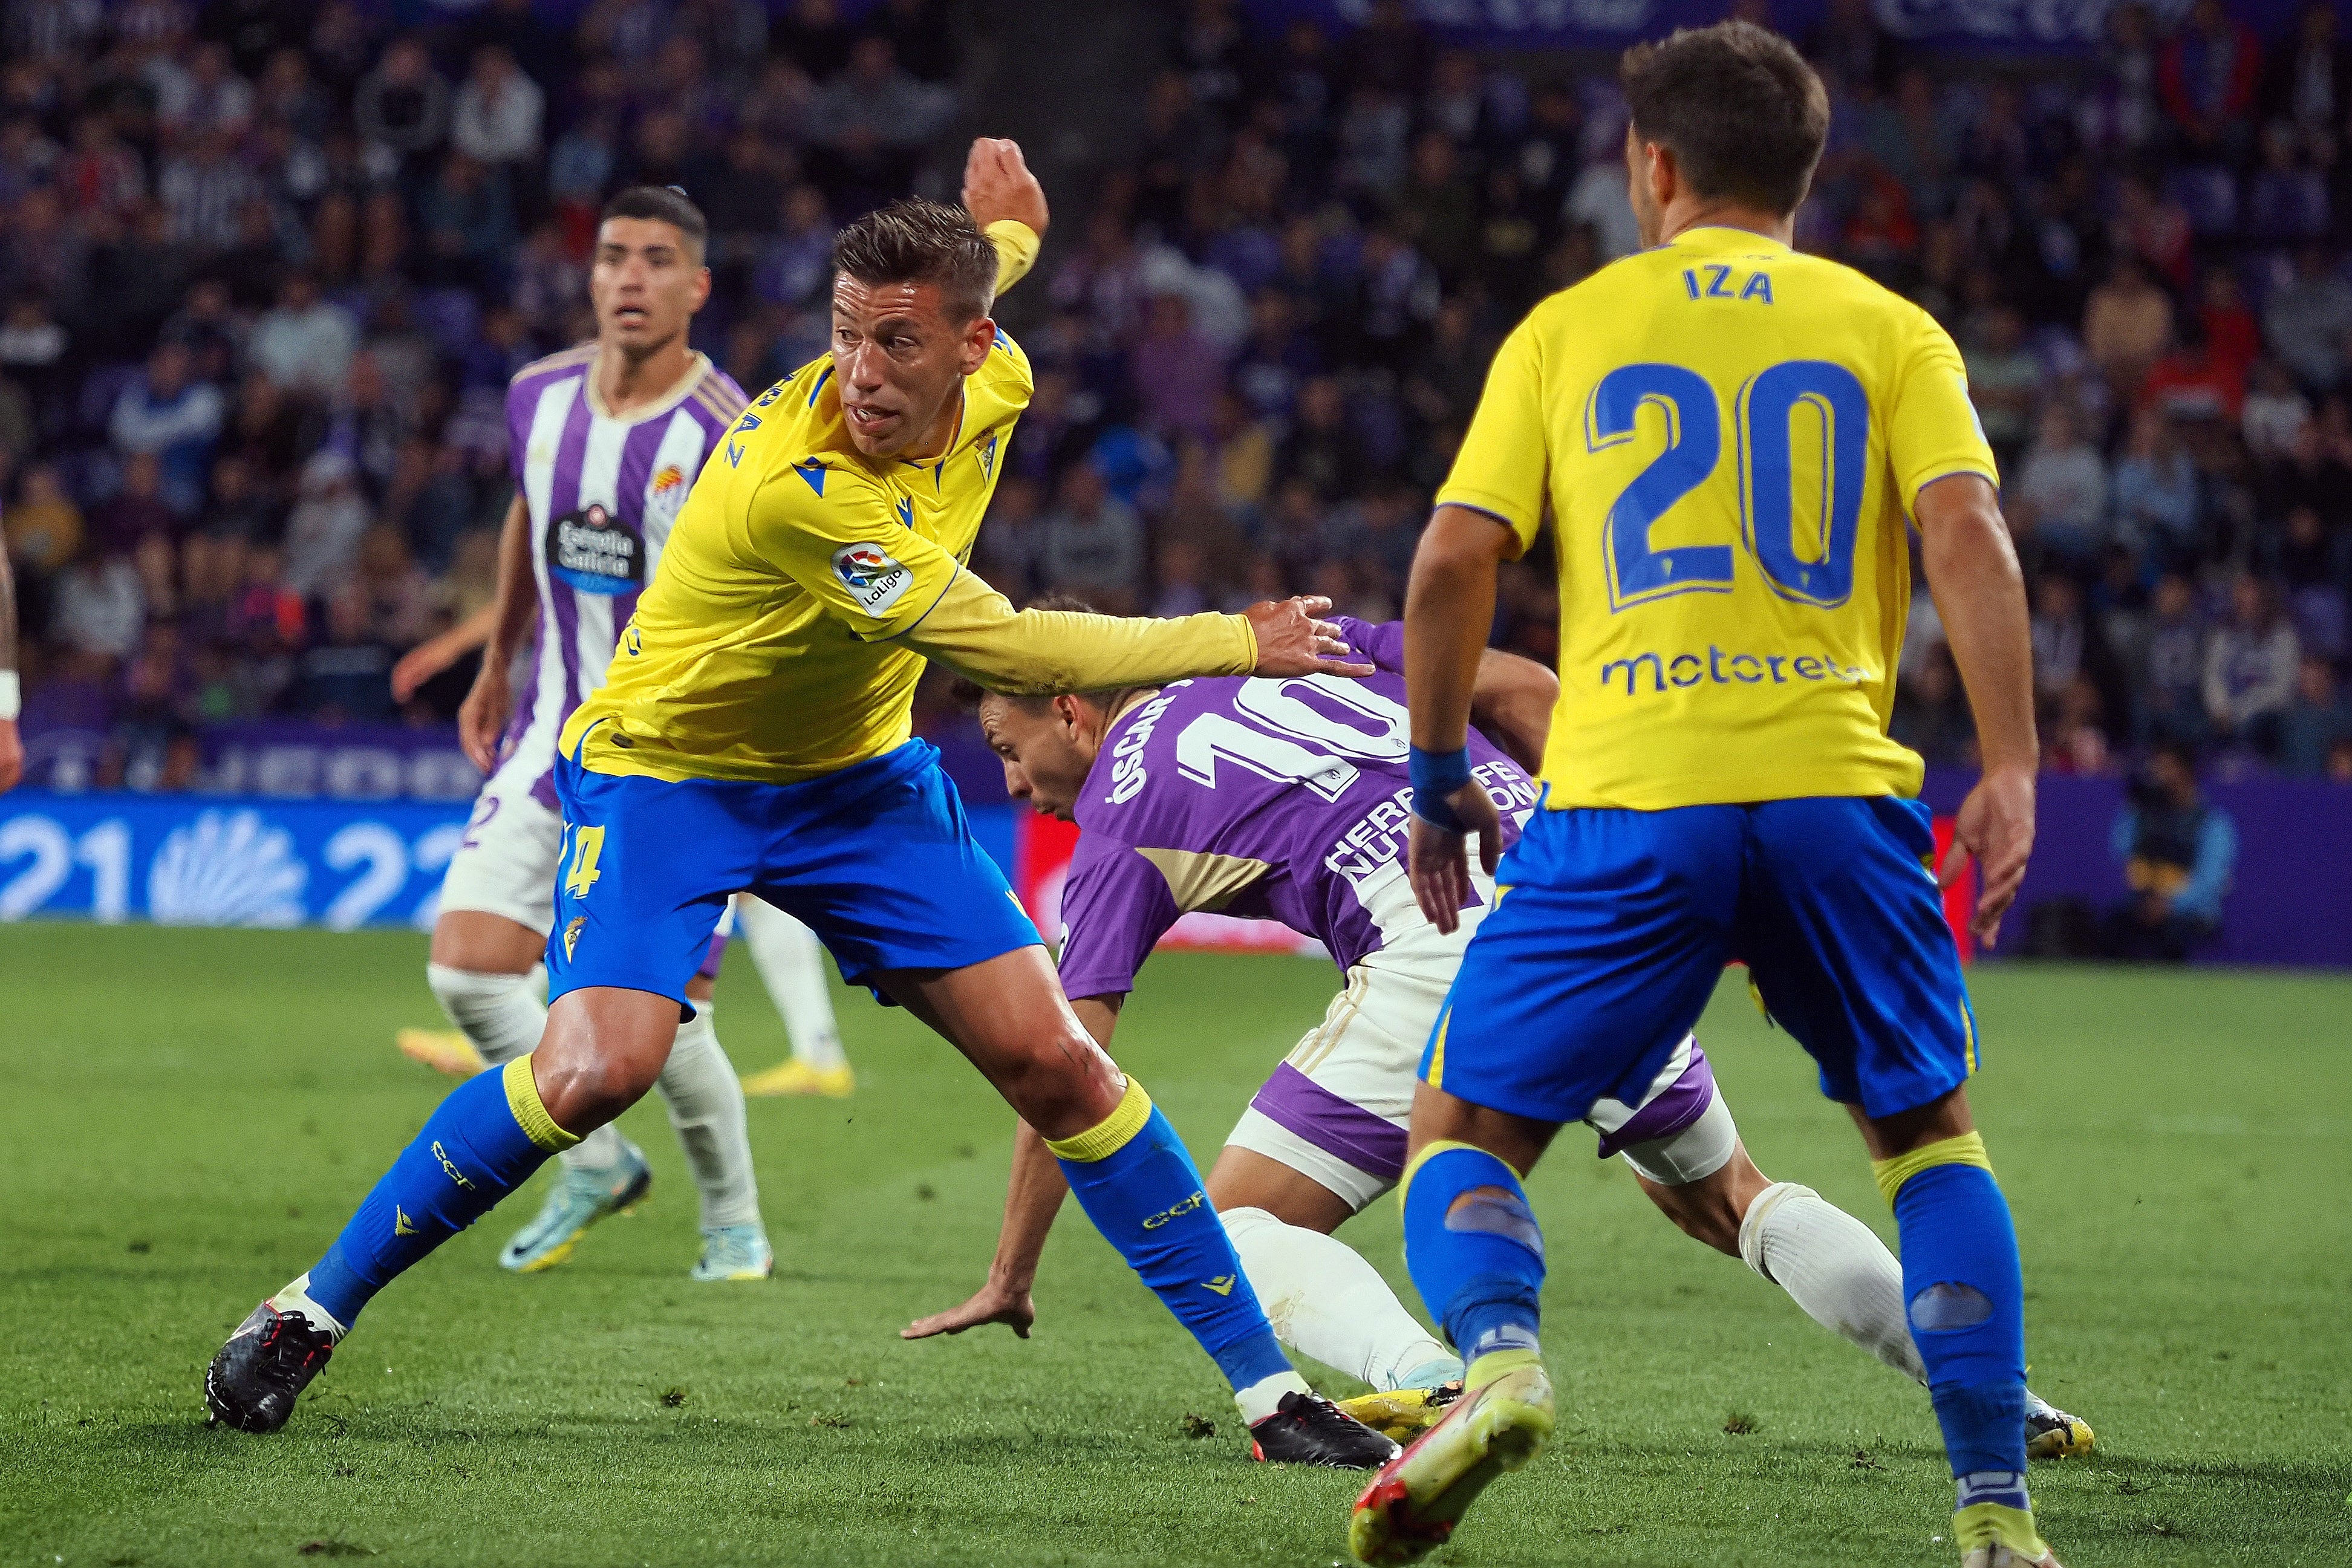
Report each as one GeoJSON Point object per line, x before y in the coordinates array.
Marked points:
{"type": "Point", "coordinates": [186, 1118]}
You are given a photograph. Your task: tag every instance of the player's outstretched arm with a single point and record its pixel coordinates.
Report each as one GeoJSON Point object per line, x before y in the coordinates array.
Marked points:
{"type": "Point", "coordinates": [975, 631]}
{"type": "Point", "coordinates": [1449, 604]}
{"type": "Point", "coordinates": [1032, 1199]}
{"type": "Point", "coordinates": [436, 654]}
{"type": "Point", "coordinates": [1980, 595]}
{"type": "Point", "coordinates": [1513, 701]}
{"type": "Point", "coordinates": [482, 718]}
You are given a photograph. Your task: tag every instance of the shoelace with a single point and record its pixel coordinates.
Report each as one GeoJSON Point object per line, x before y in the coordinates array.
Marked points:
{"type": "Point", "coordinates": [288, 1350]}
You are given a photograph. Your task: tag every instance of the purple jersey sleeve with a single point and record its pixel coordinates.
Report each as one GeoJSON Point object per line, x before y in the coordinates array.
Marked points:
{"type": "Point", "coordinates": [1383, 644]}
{"type": "Point", "coordinates": [1115, 907]}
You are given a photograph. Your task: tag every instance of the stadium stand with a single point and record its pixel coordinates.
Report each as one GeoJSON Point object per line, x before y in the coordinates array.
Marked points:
{"type": "Point", "coordinates": [268, 265]}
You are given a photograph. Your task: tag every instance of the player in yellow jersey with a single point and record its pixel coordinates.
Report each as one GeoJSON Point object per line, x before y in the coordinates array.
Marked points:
{"type": "Point", "coordinates": [1729, 437]}
{"type": "Point", "coordinates": [752, 736]}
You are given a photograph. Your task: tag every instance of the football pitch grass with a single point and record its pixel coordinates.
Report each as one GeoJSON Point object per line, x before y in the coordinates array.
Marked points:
{"type": "Point", "coordinates": [186, 1117]}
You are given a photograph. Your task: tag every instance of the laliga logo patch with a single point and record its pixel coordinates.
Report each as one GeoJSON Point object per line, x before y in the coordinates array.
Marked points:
{"type": "Point", "coordinates": [874, 576]}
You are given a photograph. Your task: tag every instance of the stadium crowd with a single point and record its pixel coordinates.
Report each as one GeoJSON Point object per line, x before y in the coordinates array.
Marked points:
{"type": "Point", "coordinates": [268, 267]}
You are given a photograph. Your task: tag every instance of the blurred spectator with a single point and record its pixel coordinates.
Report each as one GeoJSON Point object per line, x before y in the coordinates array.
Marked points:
{"type": "Point", "coordinates": [2156, 489]}
{"type": "Point", "coordinates": [1092, 544]}
{"type": "Point", "coordinates": [43, 527]}
{"type": "Point", "coordinates": [2306, 318]}
{"type": "Point", "coordinates": [2005, 383]}
{"type": "Point", "coordinates": [2126, 325]}
{"type": "Point", "coordinates": [498, 114]}
{"type": "Point", "coordinates": [2250, 668]}
{"type": "Point", "coordinates": [165, 413]}
{"type": "Point", "coordinates": [1177, 372]}
{"type": "Point", "coordinates": [322, 534]}
{"type": "Point", "coordinates": [98, 606]}
{"type": "Point", "coordinates": [2319, 719]}
{"type": "Point", "coordinates": [1932, 716]}
{"type": "Point", "coordinates": [136, 512]}
{"type": "Point", "coordinates": [2275, 413]}
{"type": "Point", "coordinates": [2178, 855]}
{"type": "Point", "coordinates": [304, 343]}
{"type": "Point", "coordinates": [151, 746]}
{"type": "Point", "coordinates": [403, 105]}
{"type": "Point", "coordinates": [347, 676]}
{"type": "Point", "coordinates": [2064, 481]}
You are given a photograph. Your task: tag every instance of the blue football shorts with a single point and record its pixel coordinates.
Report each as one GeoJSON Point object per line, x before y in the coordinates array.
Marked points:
{"type": "Point", "coordinates": [1616, 926]}
{"type": "Point", "coordinates": [878, 859]}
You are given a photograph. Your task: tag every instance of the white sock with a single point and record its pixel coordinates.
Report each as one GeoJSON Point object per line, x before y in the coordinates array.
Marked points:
{"type": "Point", "coordinates": [295, 1299]}
{"type": "Point", "coordinates": [791, 962]}
{"type": "Point", "coordinates": [1262, 1398]}
{"type": "Point", "coordinates": [1326, 1302]}
{"type": "Point", "coordinates": [501, 1014]}
{"type": "Point", "coordinates": [1835, 1267]}
{"type": "Point", "coordinates": [706, 1106]}
{"type": "Point", "coordinates": [504, 1017]}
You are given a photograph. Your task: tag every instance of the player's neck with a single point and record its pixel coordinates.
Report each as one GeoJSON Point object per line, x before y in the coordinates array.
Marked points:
{"type": "Point", "coordinates": [626, 382]}
{"type": "Point", "coordinates": [942, 432]}
{"type": "Point", "coordinates": [1681, 218]}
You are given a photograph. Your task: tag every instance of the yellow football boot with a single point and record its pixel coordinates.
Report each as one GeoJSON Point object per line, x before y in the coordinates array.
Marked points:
{"type": "Point", "coordinates": [442, 1049]}
{"type": "Point", "coordinates": [793, 1076]}
{"type": "Point", "coordinates": [2051, 1434]}
{"type": "Point", "coordinates": [1414, 1504]}
{"type": "Point", "coordinates": [1403, 1414]}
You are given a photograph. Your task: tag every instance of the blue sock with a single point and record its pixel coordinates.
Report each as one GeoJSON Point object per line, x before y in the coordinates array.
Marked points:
{"type": "Point", "coordinates": [1477, 1259]}
{"type": "Point", "coordinates": [478, 1146]}
{"type": "Point", "coordinates": [1967, 1307]}
{"type": "Point", "coordinates": [1141, 1188]}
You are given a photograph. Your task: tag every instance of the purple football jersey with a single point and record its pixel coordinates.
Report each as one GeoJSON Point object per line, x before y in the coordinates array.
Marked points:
{"type": "Point", "coordinates": [602, 492]}
{"type": "Point", "coordinates": [1283, 800]}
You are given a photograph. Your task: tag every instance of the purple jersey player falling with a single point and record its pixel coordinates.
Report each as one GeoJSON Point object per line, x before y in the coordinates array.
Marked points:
{"type": "Point", "coordinates": [602, 491]}
{"type": "Point", "coordinates": [1282, 800]}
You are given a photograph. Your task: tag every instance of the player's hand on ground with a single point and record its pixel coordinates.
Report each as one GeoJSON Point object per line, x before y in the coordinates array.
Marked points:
{"type": "Point", "coordinates": [991, 1303]}
{"type": "Point", "coordinates": [1995, 828]}
{"type": "Point", "coordinates": [1439, 862]}
{"type": "Point", "coordinates": [997, 185]}
{"type": "Point", "coordinates": [482, 718]}
{"type": "Point", "coordinates": [1293, 640]}
{"type": "Point", "coordinates": [12, 755]}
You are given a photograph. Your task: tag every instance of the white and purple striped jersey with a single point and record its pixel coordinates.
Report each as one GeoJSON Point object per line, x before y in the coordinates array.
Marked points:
{"type": "Point", "coordinates": [601, 490]}
{"type": "Point", "coordinates": [1283, 800]}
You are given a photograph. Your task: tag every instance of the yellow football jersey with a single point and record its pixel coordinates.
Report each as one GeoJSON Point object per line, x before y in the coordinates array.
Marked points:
{"type": "Point", "coordinates": [1730, 436]}
{"type": "Point", "coordinates": [804, 584]}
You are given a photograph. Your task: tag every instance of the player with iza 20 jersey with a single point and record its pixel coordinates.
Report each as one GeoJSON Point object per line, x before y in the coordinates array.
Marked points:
{"type": "Point", "coordinates": [1287, 800]}
{"type": "Point", "coordinates": [754, 736]}
{"type": "Point", "coordinates": [1729, 436]}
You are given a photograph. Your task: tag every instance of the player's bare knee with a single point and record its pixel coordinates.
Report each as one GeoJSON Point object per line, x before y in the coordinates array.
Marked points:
{"type": "Point", "coordinates": [1061, 1086]}
{"type": "Point", "coordinates": [587, 1076]}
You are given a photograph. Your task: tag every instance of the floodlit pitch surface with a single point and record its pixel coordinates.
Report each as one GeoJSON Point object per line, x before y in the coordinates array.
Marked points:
{"type": "Point", "coordinates": [186, 1117]}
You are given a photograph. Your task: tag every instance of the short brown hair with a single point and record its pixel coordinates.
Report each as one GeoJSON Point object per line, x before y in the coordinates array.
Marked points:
{"type": "Point", "coordinates": [919, 241]}
{"type": "Point", "coordinates": [662, 204]}
{"type": "Point", "coordinates": [1743, 113]}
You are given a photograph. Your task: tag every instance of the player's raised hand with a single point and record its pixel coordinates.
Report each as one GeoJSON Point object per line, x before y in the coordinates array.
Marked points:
{"type": "Point", "coordinates": [1995, 826]}
{"type": "Point", "coordinates": [997, 185]}
{"type": "Point", "coordinates": [482, 716]}
{"type": "Point", "coordinates": [1437, 860]}
{"type": "Point", "coordinates": [991, 1303]}
{"type": "Point", "coordinates": [1293, 640]}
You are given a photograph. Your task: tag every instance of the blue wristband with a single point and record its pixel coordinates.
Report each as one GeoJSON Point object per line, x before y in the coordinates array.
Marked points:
{"type": "Point", "coordinates": [1435, 776]}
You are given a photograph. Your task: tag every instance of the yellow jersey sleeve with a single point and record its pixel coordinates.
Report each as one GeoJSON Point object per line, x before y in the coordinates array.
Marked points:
{"type": "Point", "coordinates": [837, 534]}
{"type": "Point", "coordinates": [1503, 468]}
{"type": "Point", "coordinates": [1016, 250]}
{"type": "Point", "coordinates": [1932, 431]}
{"type": "Point", "coordinates": [975, 631]}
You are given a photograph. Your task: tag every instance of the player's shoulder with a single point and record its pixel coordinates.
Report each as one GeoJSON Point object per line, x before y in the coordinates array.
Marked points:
{"type": "Point", "coordinates": [716, 393]}
{"type": "Point", "coordinates": [540, 373]}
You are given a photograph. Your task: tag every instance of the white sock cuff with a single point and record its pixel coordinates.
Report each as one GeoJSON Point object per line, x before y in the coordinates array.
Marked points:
{"type": "Point", "coordinates": [1263, 1398]}
{"type": "Point", "coordinates": [471, 984]}
{"type": "Point", "coordinates": [1239, 1221]}
{"type": "Point", "coordinates": [1751, 1224]}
